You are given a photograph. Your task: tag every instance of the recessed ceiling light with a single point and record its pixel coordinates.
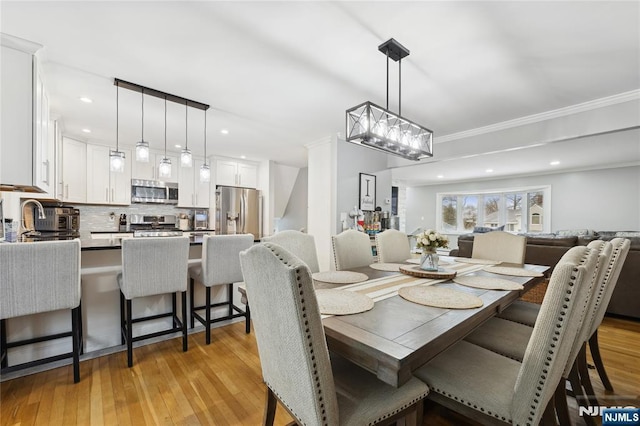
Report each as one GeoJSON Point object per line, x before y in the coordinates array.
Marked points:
{"type": "Point", "coordinates": [86, 130]}
{"type": "Point", "coordinates": [178, 146]}
{"type": "Point", "coordinates": [489, 170]}
{"type": "Point", "coordinates": [86, 100]}
{"type": "Point", "coordinates": [554, 163]}
{"type": "Point", "coordinates": [440, 176]}
{"type": "Point", "coordinates": [224, 131]}
{"type": "Point", "coordinates": [243, 156]}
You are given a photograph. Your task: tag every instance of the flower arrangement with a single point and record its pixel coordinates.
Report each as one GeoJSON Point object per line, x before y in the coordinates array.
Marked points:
{"type": "Point", "coordinates": [430, 240]}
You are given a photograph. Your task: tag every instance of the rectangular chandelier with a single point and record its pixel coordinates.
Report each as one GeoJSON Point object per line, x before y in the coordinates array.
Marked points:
{"type": "Point", "coordinates": [376, 127]}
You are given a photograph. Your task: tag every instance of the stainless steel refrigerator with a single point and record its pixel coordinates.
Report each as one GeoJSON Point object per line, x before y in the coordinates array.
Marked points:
{"type": "Point", "coordinates": [238, 211]}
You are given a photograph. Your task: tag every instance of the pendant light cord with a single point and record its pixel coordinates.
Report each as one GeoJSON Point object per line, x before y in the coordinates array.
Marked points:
{"type": "Point", "coordinates": [387, 78]}
{"type": "Point", "coordinates": [117, 116]}
{"type": "Point", "coordinates": [165, 127]}
{"type": "Point", "coordinates": [142, 91]}
{"type": "Point", "coordinates": [205, 137]}
{"type": "Point", "coordinates": [186, 126]}
{"type": "Point", "coordinates": [400, 86]}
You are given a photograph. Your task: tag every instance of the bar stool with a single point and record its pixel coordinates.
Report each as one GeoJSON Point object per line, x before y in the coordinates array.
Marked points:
{"type": "Point", "coordinates": [153, 266]}
{"type": "Point", "coordinates": [220, 265]}
{"type": "Point", "coordinates": [35, 278]}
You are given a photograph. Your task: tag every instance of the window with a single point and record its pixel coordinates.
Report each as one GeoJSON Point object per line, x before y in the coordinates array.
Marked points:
{"type": "Point", "coordinates": [518, 209]}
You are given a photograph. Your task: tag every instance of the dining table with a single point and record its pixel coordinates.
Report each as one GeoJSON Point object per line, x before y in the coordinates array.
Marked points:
{"type": "Point", "coordinates": [397, 336]}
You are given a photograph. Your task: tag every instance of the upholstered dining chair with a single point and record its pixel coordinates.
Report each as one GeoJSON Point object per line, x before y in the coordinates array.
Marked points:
{"type": "Point", "coordinates": [526, 312]}
{"type": "Point", "coordinates": [351, 249]}
{"type": "Point", "coordinates": [500, 246]}
{"type": "Point", "coordinates": [303, 245]}
{"type": "Point", "coordinates": [296, 367]}
{"type": "Point", "coordinates": [153, 266]}
{"type": "Point", "coordinates": [510, 339]}
{"type": "Point", "coordinates": [495, 389]}
{"type": "Point", "coordinates": [35, 278]}
{"type": "Point", "coordinates": [392, 246]}
{"type": "Point", "coordinates": [220, 266]}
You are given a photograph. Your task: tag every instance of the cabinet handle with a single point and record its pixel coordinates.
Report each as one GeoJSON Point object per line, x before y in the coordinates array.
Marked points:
{"type": "Point", "coordinates": [192, 200]}
{"type": "Point", "coordinates": [107, 195]}
{"type": "Point", "coordinates": [113, 195]}
{"type": "Point", "coordinates": [66, 191]}
{"type": "Point", "coordinates": [45, 165]}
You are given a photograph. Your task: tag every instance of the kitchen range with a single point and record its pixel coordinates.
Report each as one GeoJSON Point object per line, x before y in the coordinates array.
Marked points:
{"type": "Point", "coordinates": [154, 226]}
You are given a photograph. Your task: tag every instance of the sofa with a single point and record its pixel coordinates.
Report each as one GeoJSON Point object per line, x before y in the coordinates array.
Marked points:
{"type": "Point", "coordinates": [547, 249]}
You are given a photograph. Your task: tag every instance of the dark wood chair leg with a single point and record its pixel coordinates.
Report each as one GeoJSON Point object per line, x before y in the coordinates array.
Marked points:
{"type": "Point", "coordinates": [129, 325]}
{"type": "Point", "coordinates": [247, 325]}
{"type": "Point", "coordinates": [585, 380]}
{"type": "Point", "coordinates": [597, 360]}
{"type": "Point", "coordinates": [75, 338]}
{"type": "Point", "coordinates": [122, 320]}
{"type": "Point", "coordinates": [174, 309]}
{"type": "Point", "coordinates": [270, 408]}
{"type": "Point", "coordinates": [208, 315]}
{"type": "Point", "coordinates": [191, 301]}
{"type": "Point", "coordinates": [185, 344]}
{"type": "Point", "coordinates": [3, 344]}
{"type": "Point", "coordinates": [560, 401]}
{"type": "Point", "coordinates": [549, 414]}
{"type": "Point", "coordinates": [230, 297]}
{"type": "Point", "coordinates": [581, 399]}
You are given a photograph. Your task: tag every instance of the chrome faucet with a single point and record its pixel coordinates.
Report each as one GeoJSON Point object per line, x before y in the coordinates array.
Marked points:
{"type": "Point", "coordinates": [41, 214]}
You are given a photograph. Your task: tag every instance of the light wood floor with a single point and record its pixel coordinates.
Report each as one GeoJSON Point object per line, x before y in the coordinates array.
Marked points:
{"type": "Point", "coordinates": [221, 384]}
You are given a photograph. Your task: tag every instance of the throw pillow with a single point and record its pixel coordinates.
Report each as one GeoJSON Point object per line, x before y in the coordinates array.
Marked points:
{"type": "Point", "coordinates": [576, 232]}
{"type": "Point", "coordinates": [627, 234]}
{"type": "Point", "coordinates": [483, 229]}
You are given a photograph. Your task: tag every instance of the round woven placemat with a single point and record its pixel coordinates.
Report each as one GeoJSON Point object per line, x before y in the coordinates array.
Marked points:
{"type": "Point", "coordinates": [339, 277]}
{"type": "Point", "coordinates": [413, 260]}
{"type": "Point", "coordinates": [476, 261]}
{"type": "Point", "coordinates": [415, 271]}
{"type": "Point", "coordinates": [341, 302]}
{"type": "Point", "coordinates": [389, 267]}
{"type": "Point", "coordinates": [440, 297]}
{"type": "Point", "coordinates": [513, 271]}
{"type": "Point", "coordinates": [487, 283]}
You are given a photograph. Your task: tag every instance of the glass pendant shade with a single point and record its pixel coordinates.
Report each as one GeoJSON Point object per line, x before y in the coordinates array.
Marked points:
{"type": "Point", "coordinates": [186, 159]}
{"type": "Point", "coordinates": [142, 151]}
{"type": "Point", "coordinates": [205, 173]}
{"type": "Point", "coordinates": [116, 161]}
{"type": "Point", "coordinates": [164, 169]}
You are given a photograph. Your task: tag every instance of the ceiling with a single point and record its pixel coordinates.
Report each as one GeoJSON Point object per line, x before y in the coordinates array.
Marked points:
{"type": "Point", "coordinates": [279, 75]}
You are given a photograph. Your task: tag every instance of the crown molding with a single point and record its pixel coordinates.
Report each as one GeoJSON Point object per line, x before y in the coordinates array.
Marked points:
{"type": "Point", "coordinates": [632, 95]}
{"type": "Point", "coordinates": [322, 141]}
{"type": "Point", "coordinates": [18, 43]}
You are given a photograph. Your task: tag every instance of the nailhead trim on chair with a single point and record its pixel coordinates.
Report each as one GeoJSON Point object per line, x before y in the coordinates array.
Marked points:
{"type": "Point", "coordinates": [335, 258]}
{"type": "Point", "coordinates": [474, 406]}
{"type": "Point", "coordinates": [399, 409]}
{"type": "Point", "coordinates": [308, 335]}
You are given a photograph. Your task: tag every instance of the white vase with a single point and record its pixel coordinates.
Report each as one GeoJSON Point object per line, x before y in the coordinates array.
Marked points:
{"type": "Point", "coordinates": [429, 260]}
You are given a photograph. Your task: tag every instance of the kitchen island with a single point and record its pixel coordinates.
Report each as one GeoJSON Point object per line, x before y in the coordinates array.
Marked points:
{"type": "Point", "coordinates": [101, 261]}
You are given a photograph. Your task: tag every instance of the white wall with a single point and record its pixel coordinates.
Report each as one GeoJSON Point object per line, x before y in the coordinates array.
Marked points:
{"type": "Point", "coordinates": [322, 197]}
{"type": "Point", "coordinates": [603, 200]}
{"type": "Point", "coordinates": [295, 213]}
{"type": "Point", "coordinates": [353, 160]}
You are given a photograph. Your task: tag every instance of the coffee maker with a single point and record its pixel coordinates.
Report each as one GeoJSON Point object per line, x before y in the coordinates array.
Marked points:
{"type": "Point", "coordinates": [200, 219]}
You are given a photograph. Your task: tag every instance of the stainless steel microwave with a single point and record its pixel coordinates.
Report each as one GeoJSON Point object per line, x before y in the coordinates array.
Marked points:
{"type": "Point", "coordinates": [153, 191]}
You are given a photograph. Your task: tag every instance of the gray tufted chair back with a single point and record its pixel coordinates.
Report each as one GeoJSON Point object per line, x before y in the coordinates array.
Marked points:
{"type": "Point", "coordinates": [291, 341]}
{"type": "Point", "coordinates": [553, 335]}
{"type": "Point", "coordinates": [392, 246]}
{"type": "Point", "coordinates": [154, 265]}
{"type": "Point", "coordinates": [39, 277]}
{"type": "Point", "coordinates": [221, 258]}
{"type": "Point", "coordinates": [301, 244]}
{"type": "Point", "coordinates": [620, 249]}
{"type": "Point", "coordinates": [351, 249]}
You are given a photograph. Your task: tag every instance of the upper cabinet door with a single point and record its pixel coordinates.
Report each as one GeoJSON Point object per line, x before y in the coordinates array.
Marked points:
{"type": "Point", "coordinates": [201, 189]}
{"type": "Point", "coordinates": [226, 173]}
{"type": "Point", "coordinates": [74, 171]}
{"type": "Point", "coordinates": [98, 186]}
{"type": "Point", "coordinates": [247, 175]}
{"type": "Point", "coordinates": [145, 171]}
{"type": "Point", "coordinates": [120, 182]}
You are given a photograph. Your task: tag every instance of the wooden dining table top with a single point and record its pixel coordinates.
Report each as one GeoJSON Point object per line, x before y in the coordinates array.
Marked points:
{"type": "Point", "coordinates": [397, 336]}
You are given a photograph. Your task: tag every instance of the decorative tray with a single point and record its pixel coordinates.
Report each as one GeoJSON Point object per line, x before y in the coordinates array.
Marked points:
{"type": "Point", "coordinates": [440, 274]}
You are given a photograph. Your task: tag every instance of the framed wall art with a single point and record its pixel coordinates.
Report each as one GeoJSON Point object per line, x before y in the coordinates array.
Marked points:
{"type": "Point", "coordinates": [367, 193]}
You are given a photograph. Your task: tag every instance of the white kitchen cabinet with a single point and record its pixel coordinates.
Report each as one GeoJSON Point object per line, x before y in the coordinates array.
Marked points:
{"type": "Point", "coordinates": [26, 159]}
{"type": "Point", "coordinates": [103, 185]}
{"type": "Point", "coordinates": [74, 171]}
{"type": "Point", "coordinates": [192, 192]}
{"type": "Point", "coordinates": [233, 173]}
{"type": "Point", "coordinates": [149, 171]}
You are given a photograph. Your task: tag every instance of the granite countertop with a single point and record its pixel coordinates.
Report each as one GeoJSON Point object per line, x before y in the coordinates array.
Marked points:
{"type": "Point", "coordinates": [116, 243]}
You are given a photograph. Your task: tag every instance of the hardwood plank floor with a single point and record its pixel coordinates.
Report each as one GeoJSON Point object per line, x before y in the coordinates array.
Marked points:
{"type": "Point", "coordinates": [221, 384]}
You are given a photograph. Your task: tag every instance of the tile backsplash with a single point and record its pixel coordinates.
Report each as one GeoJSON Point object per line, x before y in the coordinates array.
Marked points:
{"type": "Point", "coordinates": [98, 218]}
